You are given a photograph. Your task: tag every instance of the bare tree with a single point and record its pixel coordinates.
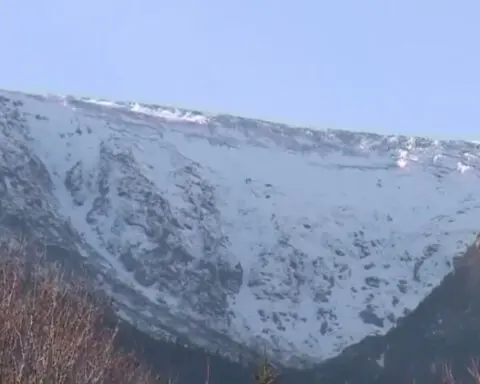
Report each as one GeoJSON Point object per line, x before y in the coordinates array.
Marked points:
{"type": "Point", "coordinates": [51, 330]}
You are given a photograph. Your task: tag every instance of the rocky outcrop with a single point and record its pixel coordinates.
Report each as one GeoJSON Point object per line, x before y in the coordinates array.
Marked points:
{"type": "Point", "coordinates": [444, 330]}
{"type": "Point", "coordinates": [232, 233]}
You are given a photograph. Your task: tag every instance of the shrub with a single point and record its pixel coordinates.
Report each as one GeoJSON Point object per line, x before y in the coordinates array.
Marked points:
{"type": "Point", "coordinates": [51, 330]}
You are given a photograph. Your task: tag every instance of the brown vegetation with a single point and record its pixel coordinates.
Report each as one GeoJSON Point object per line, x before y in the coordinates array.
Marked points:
{"type": "Point", "coordinates": [50, 331]}
{"type": "Point", "coordinates": [266, 373]}
{"type": "Point", "coordinates": [447, 376]}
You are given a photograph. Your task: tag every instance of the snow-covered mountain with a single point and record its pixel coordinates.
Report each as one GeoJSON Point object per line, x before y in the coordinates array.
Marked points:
{"type": "Point", "coordinates": [237, 233]}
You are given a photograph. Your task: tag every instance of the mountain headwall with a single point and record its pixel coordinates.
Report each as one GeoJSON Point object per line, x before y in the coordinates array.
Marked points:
{"type": "Point", "coordinates": [232, 233]}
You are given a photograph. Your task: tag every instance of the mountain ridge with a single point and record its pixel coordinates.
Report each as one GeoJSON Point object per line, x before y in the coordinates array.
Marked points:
{"type": "Point", "coordinates": [438, 339]}
{"type": "Point", "coordinates": [235, 233]}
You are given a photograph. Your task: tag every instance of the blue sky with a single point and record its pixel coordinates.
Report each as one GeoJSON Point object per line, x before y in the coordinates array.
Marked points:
{"type": "Point", "coordinates": [393, 66]}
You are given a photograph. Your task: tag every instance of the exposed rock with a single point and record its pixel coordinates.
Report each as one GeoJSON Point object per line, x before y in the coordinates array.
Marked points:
{"type": "Point", "coordinates": [235, 233]}
{"type": "Point", "coordinates": [443, 329]}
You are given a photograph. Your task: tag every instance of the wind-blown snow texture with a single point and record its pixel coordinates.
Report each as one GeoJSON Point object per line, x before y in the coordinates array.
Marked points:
{"type": "Point", "coordinates": [236, 232]}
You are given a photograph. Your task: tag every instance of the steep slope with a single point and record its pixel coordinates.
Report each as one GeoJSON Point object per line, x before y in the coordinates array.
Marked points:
{"type": "Point", "coordinates": [235, 233]}
{"type": "Point", "coordinates": [442, 332]}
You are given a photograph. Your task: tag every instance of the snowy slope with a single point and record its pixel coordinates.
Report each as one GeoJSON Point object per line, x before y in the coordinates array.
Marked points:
{"type": "Point", "coordinates": [235, 232]}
